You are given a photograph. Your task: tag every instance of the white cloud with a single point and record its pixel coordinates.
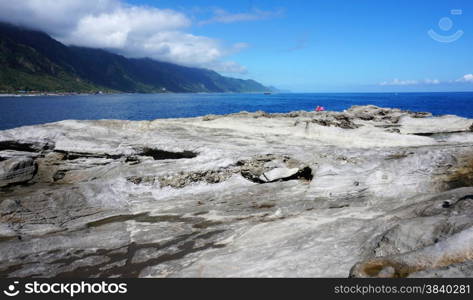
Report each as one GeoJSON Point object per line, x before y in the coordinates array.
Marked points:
{"type": "Point", "coordinates": [57, 17]}
{"type": "Point", "coordinates": [116, 28]}
{"type": "Point", "coordinates": [134, 31]}
{"type": "Point", "coordinates": [431, 81]}
{"type": "Point", "coordinates": [222, 16]}
{"type": "Point", "coordinates": [397, 82]}
{"type": "Point", "coordinates": [466, 78]}
{"type": "Point", "coordinates": [229, 67]}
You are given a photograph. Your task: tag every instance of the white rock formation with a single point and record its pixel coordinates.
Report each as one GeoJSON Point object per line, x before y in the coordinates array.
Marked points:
{"type": "Point", "coordinates": [366, 192]}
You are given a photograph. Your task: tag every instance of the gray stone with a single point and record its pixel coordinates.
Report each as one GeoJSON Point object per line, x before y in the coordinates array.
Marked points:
{"type": "Point", "coordinates": [16, 170]}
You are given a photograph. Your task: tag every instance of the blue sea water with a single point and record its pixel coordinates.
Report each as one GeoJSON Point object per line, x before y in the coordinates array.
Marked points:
{"type": "Point", "coordinates": [20, 111]}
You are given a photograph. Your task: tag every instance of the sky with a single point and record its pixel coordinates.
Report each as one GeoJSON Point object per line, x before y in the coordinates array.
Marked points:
{"type": "Point", "coordinates": [296, 45]}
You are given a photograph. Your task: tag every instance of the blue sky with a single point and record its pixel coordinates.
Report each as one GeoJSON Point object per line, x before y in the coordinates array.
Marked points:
{"type": "Point", "coordinates": [302, 46]}
{"type": "Point", "coordinates": [345, 45]}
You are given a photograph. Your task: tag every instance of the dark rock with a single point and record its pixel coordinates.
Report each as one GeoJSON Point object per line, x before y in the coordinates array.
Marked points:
{"type": "Point", "coordinates": [157, 154]}
{"type": "Point", "coordinates": [338, 120]}
{"type": "Point", "coordinates": [26, 146]}
{"type": "Point", "coordinates": [271, 168]}
{"type": "Point", "coordinates": [59, 175]}
{"type": "Point", "coordinates": [141, 180]}
{"type": "Point", "coordinates": [420, 114]}
{"type": "Point", "coordinates": [132, 160]}
{"type": "Point", "coordinates": [182, 180]}
{"type": "Point", "coordinates": [210, 118]}
{"type": "Point", "coordinates": [393, 130]}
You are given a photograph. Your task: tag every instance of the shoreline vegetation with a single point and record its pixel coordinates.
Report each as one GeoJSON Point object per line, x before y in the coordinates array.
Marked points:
{"type": "Point", "coordinates": [35, 93]}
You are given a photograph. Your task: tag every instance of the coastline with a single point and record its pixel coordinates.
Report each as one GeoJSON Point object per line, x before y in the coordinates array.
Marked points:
{"type": "Point", "coordinates": [52, 94]}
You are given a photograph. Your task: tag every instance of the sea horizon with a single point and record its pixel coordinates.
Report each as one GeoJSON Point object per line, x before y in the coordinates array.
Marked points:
{"type": "Point", "coordinates": [39, 109]}
{"type": "Point", "coordinates": [231, 93]}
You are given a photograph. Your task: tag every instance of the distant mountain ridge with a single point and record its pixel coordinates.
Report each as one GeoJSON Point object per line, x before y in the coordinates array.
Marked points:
{"type": "Point", "coordinates": [32, 60]}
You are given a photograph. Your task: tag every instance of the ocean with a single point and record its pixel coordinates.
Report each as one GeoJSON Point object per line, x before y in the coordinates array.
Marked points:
{"type": "Point", "coordinates": [21, 111]}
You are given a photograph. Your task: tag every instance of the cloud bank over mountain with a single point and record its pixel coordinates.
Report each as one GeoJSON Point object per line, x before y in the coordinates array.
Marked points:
{"type": "Point", "coordinates": [134, 31]}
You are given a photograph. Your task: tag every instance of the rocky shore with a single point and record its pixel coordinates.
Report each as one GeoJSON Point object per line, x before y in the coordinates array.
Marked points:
{"type": "Point", "coordinates": [368, 192]}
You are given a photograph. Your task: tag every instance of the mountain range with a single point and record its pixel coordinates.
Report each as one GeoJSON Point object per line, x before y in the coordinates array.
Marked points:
{"type": "Point", "coordinates": [33, 61]}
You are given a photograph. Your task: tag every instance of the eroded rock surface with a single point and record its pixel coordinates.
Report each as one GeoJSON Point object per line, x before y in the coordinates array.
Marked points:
{"type": "Point", "coordinates": [16, 170]}
{"type": "Point", "coordinates": [368, 192]}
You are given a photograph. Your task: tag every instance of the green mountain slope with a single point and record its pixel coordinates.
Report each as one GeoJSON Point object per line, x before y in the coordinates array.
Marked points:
{"type": "Point", "coordinates": [32, 60]}
{"type": "Point", "coordinates": [24, 68]}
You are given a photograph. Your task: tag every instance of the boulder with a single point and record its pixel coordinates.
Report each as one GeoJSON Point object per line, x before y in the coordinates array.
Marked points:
{"type": "Point", "coordinates": [16, 170]}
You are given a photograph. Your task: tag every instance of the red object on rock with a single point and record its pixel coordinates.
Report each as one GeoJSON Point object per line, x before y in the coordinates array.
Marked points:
{"type": "Point", "coordinates": [320, 108]}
